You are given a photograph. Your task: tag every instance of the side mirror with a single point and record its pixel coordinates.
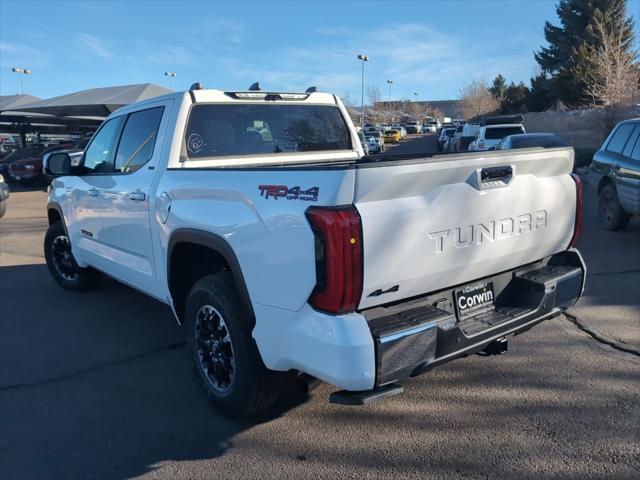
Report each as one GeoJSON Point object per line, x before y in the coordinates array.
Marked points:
{"type": "Point", "coordinates": [57, 164]}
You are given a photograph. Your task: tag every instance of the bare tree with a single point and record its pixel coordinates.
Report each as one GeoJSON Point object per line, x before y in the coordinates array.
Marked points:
{"type": "Point", "coordinates": [374, 96]}
{"type": "Point", "coordinates": [347, 100]}
{"type": "Point", "coordinates": [417, 110]}
{"type": "Point", "coordinates": [614, 74]}
{"type": "Point", "coordinates": [476, 100]}
{"type": "Point", "coordinates": [433, 112]}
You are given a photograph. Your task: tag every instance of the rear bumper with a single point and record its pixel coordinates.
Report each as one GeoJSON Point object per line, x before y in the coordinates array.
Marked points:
{"type": "Point", "coordinates": [378, 346]}
{"type": "Point", "coordinates": [413, 337]}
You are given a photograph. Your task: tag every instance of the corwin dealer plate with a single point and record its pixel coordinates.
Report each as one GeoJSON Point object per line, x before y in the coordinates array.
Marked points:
{"type": "Point", "coordinates": [474, 299]}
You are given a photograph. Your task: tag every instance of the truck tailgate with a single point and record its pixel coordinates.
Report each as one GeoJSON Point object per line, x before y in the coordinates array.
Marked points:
{"type": "Point", "coordinates": [435, 223]}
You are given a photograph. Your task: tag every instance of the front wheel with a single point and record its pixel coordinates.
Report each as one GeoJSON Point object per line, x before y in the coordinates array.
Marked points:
{"type": "Point", "coordinates": [225, 356]}
{"type": "Point", "coordinates": [62, 266]}
{"type": "Point", "coordinates": [610, 213]}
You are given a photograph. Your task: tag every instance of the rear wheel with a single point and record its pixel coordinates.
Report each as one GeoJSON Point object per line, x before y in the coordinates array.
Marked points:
{"type": "Point", "coordinates": [62, 266]}
{"type": "Point", "coordinates": [611, 215]}
{"type": "Point", "coordinates": [225, 356]}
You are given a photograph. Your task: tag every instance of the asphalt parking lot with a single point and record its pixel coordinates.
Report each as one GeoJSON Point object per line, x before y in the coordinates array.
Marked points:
{"type": "Point", "coordinates": [98, 385]}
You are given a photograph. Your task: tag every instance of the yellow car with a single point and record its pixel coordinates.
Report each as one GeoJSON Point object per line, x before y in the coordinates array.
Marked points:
{"type": "Point", "coordinates": [392, 136]}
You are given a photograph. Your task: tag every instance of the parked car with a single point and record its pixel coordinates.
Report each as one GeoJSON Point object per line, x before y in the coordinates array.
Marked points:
{"type": "Point", "coordinates": [617, 165]}
{"type": "Point", "coordinates": [465, 134]}
{"type": "Point", "coordinates": [530, 140]}
{"type": "Point", "coordinates": [294, 256]}
{"type": "Point", "coordinates": [28, 170]}
{"type": "Point", "coordinates": [363, 142]}
{"type": "Point", "coordinates": [14, 156]}
{"type": "Point", "coordinates": [375, 141]}
{"type": "Point", "coordinates": [392, 135]}
{"type": "Point", "coordinates": [490, 135]}
{"type": "Point", "coordinates": [400, 129]}
{"type": "Point", "coordinates": [4, 196]}
{"type": "Point", "coordinates": [445, 134]}
{"type": "Point", "coordinates": [431, 127]}
{"type": "Point", "coordinates": [413, 127]}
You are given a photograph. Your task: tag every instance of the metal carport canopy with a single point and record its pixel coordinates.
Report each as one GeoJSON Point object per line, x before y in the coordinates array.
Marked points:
{"type": "Point", "coordinates": [95, 102]}
{"type": "Point", "coordinates": [11, 102]}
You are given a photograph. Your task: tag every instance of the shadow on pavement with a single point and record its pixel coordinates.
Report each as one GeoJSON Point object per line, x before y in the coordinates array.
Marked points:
{"type": "Point", "coordinates": [98, 384]}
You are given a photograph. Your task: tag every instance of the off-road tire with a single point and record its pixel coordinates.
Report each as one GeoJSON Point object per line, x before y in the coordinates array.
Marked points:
{"type": "Point", "coordinates": [611, 215]}
{"type": "Point", "coordinates": [253, 387]}
{"type": "Point", "coordinates": [69, 276]}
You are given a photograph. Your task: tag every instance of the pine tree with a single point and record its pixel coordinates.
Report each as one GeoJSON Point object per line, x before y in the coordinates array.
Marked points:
{"type": "Point", "coordinates": [499, 87]}
{"type": "Point", "coordinates": [561, 60]}
{"type": "Point", "coordinates": [515, 99]}
{"type": "Point", "coordinates": [540, 95]}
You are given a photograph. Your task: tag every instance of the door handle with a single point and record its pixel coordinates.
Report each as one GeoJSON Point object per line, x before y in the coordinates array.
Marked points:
{"type": "Point", "coordinates": [93, 192]}
{"type": "Point", "coordinates": [137, 196]}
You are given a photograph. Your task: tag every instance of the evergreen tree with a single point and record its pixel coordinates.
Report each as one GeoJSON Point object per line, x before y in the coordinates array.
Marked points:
{"type": "Point", "coordinates": [515, 99]}
{"type": "Point", "coordinates": [540, 95]}
{"type": "Point", "coordinates": [562, 60]}
{"type": "Point", "coordinates": [499, 87]}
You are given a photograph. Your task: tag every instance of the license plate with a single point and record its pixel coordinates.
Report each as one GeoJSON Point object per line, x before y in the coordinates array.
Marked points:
{"type": "Point", "coordinates": [474, 299]}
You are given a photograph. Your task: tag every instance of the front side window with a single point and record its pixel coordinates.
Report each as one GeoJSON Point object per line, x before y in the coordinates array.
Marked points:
{"type": "Point", "coordinates": [619, 138]}
{"type": "Point", "coordinates": [138, 139]}
{"type": "Point", "coordinates": [99, 155]}
{"type": "Point", "coordinates": [231, 130]}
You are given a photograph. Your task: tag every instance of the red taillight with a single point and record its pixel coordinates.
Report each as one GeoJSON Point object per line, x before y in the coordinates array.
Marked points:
{"type": "Point", "coordinates": [578, 222]}
{"type": "Point", "coordinates": [338, 233]}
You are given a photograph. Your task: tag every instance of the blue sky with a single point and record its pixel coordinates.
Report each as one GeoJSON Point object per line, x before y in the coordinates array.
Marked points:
{"type": "Point", "coordinates": [432, 48]}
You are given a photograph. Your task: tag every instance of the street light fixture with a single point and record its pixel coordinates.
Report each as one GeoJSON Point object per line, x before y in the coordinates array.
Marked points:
{"type": "Point", "coordinates": [22, 72]}
{"type": "Point", "coordinates": [170, 75]}
{"type": "Point", "coordinates": [416, 95]}
{"type": "Point", "coordinates": [363, 58]}
{"type": "Point", "coordinates": [390, 82]}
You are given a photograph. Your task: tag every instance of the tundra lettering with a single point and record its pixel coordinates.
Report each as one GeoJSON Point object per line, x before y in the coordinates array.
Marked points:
{"type": "Point", "coordinates": [494, 230]}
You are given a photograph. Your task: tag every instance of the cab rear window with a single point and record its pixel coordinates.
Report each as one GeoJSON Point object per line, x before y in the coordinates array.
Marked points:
{"type": "Point", "coordinates": [220, 130]}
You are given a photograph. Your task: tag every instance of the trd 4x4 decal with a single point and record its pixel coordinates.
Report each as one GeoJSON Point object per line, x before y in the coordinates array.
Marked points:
{"type": "Point", "coordinates": [290, 193]}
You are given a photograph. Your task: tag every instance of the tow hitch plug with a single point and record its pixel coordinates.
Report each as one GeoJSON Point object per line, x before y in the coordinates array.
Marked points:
{"type": "Point", "coordinates": [497, 347]}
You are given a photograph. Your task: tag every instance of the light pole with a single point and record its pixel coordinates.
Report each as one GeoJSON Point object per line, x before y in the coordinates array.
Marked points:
{"type": "Point", "coordinates": [22, 72]}
{"type": "Point", "coordinates": [415, 94]}
{"type": "Point", "coordinates": [170, 75]}
{"type": "Point", "coordinates": [390, 82]}
{"type": "Point", "coordinates": [362, 58]}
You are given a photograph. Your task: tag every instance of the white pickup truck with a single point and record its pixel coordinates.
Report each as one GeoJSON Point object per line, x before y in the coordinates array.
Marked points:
{"type": "Point", "coordinates": [287, 253]}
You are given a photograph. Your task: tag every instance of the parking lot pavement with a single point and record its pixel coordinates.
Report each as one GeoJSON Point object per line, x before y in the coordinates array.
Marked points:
{"type": "Point", "coordinates": [610, 307]}
{"type": "Point", "coordinates": [414, 144]}
{"type": "Point", "coordinates": [97, 385]}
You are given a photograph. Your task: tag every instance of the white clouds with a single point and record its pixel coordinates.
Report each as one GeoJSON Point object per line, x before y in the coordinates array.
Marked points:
{"type": "Point", "coordinates": [170, 55]}
{"type": "Point", "coordinates": [95, 45]}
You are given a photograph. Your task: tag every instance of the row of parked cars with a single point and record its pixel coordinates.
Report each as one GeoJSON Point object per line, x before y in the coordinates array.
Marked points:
{"type": "Point", "coordinates": [374, 136]}
{"type": "Point", "coordinates": [24, 165]}
{"type": "Point", "coordinates": [504, 132]}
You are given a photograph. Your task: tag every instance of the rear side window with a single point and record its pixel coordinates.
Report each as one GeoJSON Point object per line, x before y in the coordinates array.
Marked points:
{"type": "Point", "coordinates": [235, 130]}
{"type": "Point", "coordinates": [619, 138]}
{"type": "Point", "coordinates": [138, 139]}
{"type": "Point", "coordinates": [501, 132]}
{"type": "Point", "coordinates": [632, 141]}
{"type": "Point", "coordinates": [635, 154]}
